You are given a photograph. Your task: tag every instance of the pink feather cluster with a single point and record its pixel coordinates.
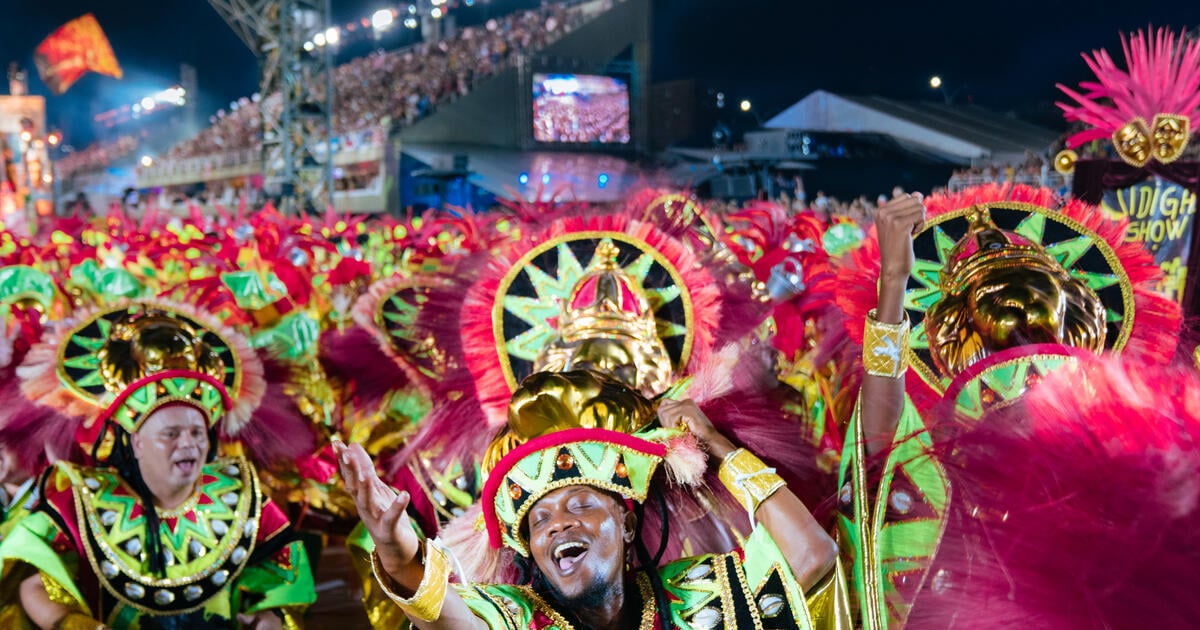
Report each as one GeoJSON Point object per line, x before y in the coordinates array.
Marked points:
{"type": "Point", "coordinates": [1163, 77]}
{"type": "Point", "coordinates": [1078, 508]}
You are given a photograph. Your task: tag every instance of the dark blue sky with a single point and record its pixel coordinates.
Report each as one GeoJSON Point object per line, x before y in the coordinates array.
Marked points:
{"type": "Point", "coordinates": [1005, 55]}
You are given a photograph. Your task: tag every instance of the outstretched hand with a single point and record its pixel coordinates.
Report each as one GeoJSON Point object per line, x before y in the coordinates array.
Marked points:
{"type": "Point", "coordinates": [382, 511]}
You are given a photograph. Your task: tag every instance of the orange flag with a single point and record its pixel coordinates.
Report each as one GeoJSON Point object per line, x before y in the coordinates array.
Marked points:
{"type": "Point", "coordinates": [77, 47]}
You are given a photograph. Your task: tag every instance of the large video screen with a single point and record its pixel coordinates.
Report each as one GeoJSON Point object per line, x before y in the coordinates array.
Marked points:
{"type": "Point", "coordinates": [580, 109]}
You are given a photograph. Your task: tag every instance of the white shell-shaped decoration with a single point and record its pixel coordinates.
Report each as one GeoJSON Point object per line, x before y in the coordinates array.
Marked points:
{"type": "Point", "coordinates": [135, 590]}
{"type": "Point", "coordinates": [770, 605]}
{"type": "Point", "coordinates": [706, 619]}
{"type": "Point", "coordinates": [192, 593]}
{"type": "Point", "coordinates": [238, 555]}
{"type": "Point", "coordinates": [700, 571]}
{"type": "Point", "coordinates": [901, 501]}
{"type": "Point", "coordinates": [108, 569]}
{"type": "Point", "coordinates": [219, 528]}
{"type": "Point", "coordinates": [220, 577]}
{"type": "Point", "coordinates": [163, 597]}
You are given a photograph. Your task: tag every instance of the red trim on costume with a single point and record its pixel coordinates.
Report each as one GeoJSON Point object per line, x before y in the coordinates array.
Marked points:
{"type": "Point", "coordinates": [977, 368]}
{"type": "Point", "coordinates": [162, 376]}
{"type": "Point", "coordinates": [558, 438]}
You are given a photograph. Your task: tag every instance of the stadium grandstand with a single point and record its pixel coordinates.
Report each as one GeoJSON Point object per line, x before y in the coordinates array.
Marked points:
{"type": "Point", "coordinates": [377, 98]}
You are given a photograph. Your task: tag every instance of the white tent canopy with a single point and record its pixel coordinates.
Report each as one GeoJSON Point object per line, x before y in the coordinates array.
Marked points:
{"type": "Point", "coordinates": [963, 134]}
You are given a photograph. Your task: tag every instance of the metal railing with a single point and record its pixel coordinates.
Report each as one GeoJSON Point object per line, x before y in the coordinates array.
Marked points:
{"type": "Point", "coordinates": [1051, 180]}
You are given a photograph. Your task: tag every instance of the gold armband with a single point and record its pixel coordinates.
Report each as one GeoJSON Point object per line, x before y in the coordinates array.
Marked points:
{"type": "Point", "coordinates": [748, 479]}
{"type": "Point", "coordinates": [885, 347]}
{"type": "Point", "coordinates": [426, 603]}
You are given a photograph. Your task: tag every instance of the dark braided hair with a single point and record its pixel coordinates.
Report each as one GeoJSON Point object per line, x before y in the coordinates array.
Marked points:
{"type": "Point", "coordinates": [123, 460]}
{"type": "Point", "coordinates": [650, 563]}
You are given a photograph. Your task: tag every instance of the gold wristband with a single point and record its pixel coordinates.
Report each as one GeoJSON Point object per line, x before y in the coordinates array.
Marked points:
{"type": "Point", "coordinates": [426, 603]}
{"type": "Point", "coordinates": [885, 347]}
{"type": "Point", "coordinates": [748, 479]}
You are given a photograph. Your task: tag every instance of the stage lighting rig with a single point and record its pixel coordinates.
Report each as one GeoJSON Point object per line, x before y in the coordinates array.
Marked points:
{"type": "Point", "coordinates": [294, 41]}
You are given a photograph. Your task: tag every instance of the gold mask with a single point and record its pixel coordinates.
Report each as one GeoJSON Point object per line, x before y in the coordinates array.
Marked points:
{"type": "Point", "coordinates": [547, 402]}
{"type": "Point", "coordinates": [607, 326]}
{"type": "Point", "coordinates": [152, 341]}
{"type": "Point", "coordinates": [1001, 291]}
{"type": "Point", "coordinates": [1170, 133]}
{"type": "Point", "coordinates": [1132, 142]}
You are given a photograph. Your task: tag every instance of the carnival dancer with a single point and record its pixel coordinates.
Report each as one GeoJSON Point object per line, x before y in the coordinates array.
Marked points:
{"type": "Point", "coordinates": [161, 530]}
{"type": "Point", "coordinates": [569, 480]}
{"type": "Point", "coordinates": [976, 303]}
{"type": "Point", "coordinates": [641, 293]}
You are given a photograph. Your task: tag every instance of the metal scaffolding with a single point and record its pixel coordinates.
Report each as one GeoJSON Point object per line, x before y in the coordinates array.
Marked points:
{"type": "Point", "coordinates": [296, 90]}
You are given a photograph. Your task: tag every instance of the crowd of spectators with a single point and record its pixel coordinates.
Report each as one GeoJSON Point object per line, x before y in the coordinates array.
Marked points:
{"type": "Point", "coordinates": [1035, 170]}
{"type": "Point", "coordinates": [575, 118]}
{"type": "Point", "coordinates": [96, 156]}
{"type": "Point", "coordinates": [396, 87]}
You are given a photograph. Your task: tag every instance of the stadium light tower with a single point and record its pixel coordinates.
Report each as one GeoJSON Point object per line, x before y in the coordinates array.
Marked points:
{"type": "Point", "coordinates": [297, 120]}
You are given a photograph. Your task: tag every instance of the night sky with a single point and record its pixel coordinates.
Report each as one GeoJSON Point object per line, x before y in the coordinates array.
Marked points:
{"type": "Point", "coordinates": [1003, 55]}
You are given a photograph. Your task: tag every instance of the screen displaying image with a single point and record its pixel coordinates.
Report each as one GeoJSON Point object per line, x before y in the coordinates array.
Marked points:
{"type": "Point", "coordinates": [580, 109]}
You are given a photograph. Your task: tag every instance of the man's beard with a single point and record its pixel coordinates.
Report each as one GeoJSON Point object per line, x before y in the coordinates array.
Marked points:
{"type": "Point", "coordinates": [593, 596]}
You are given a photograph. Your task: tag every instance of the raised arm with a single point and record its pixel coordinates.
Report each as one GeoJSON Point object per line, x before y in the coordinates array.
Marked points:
{"type": "Point", "coordinates": [399, 563]}
{"type": "Point", "coordinates": [809, 550]}
{"type": "Point", "coordinates": [882, 397]}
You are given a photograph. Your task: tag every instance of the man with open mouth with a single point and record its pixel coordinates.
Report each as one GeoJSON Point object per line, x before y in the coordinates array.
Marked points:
{"type": "Point", "coordinates": [160, 531]}
{"type": "Point", "coordinates": [568, 506]}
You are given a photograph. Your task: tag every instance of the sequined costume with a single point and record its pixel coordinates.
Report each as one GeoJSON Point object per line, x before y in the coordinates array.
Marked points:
{"type": "Point", "coordinates": [647, 294]}
{"type": "Point", "coordinates": [227, 549]}
{"type": "Point", "coordinates": [750, 587]}
{"type": "Point", "coordinates": [230, 550]}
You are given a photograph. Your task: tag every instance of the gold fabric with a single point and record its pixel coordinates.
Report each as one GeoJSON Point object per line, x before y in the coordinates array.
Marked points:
{"type": "Point", "coordinates": [426, 603]}
{"type": "Point", "coordinates": [829, 601]}
{"type": "Point", "coordinates": [884, 347]}
{"type": "Point", "coordinates": [748, 479]}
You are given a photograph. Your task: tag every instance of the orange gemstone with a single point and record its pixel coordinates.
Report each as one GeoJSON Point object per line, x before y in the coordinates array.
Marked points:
{"type": "Point", "coordinates": [622, 472]}
{"type": "Point", "coordinates": [564, 461]}
{"type": "Point", "coordinates": [514, 491]}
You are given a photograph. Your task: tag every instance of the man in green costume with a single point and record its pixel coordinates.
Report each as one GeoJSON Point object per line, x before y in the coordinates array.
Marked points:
{"type": "Point", "coordinates": [566, 483]}
{"type": "Point", "coordinates": [88, 557]}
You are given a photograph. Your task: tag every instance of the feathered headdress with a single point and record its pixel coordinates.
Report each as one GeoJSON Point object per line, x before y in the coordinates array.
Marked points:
{"type": "Point", "coordinates": [1050, 495]}
{"type": "Point", "coordinates": [1150, 109]}
{"type": "Point", "coordinates": [117, 364]}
